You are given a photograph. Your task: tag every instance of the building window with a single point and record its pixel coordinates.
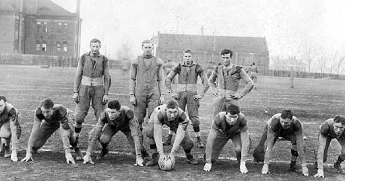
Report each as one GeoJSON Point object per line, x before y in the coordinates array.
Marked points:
{"type": "Point", "coordinates": [64, 44]}
{"type": "Point", "coordinates": [38, 46]}
{"type": "Point", "coordinates": [39, 27]}
{"type": "Point", "coordinates": [58, 46]}
{"type": "Point", "coordinates": [44, 46]}
{"type": "Point", "coordinates": [59, 27]}
{"type": "Point", "coordinates": [65, 28]}
{"type": "Point", "coordinates": [45, 27]}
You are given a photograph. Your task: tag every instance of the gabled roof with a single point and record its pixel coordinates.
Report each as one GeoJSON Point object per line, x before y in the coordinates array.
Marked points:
{"type": "Point", "coordinates": [212, 43]}
{"type": "Point", "coordinates": [47, 7]}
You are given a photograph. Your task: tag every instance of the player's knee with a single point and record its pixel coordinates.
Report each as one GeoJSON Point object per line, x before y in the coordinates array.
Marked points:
{"type": "Point", "coordinates": [187, 146]}
{"type": "Point", "coordinates": [237, 149]}
{"type": "Point", "coordinates": [79, 118]}
{"type": "Point", "coordinates": [5, 133]}
{"type": "Point", "coordinates": [342, 157]}
{"type": "Point", "coordinates": [294, 153]}
{"type": "Point", "coordinates": [104, 139]}
{"type": "Point", "coordinates": [195, 123]}
{"type": "Point", "coordinates": [149, 130]}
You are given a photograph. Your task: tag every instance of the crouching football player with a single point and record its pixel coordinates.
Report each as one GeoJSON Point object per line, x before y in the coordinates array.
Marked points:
{"type": "Point", "coordinates": [290, 128]}
{"type": "Point", "coordinates": [328, 130]}
{"type": "Point", "coordinates": [116, 118]}
{"type": "Point", "coordinates": [47, 119]}
{"type": "Point", "coordinates": [225, 126]}
{"type": "Point", "coordinates": [9, 129]}
{"type": "Point", "coordinates": [171, 115]}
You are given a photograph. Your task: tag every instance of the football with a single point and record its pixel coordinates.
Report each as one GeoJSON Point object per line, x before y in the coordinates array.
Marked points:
{"type": "Point", "coordinates": [166, 163]}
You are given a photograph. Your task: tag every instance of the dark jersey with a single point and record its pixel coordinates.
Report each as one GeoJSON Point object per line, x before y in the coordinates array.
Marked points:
{"type": "Point", "coordinates": [59, 116]}
{"type": "Point", "coordinates": [121, 122]}
{"type": "Point", "coordinates": [276, 128]}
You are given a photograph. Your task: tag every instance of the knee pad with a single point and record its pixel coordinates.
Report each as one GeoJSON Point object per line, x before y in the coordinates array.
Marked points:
{"type": "Point", "coordinates": [294, 153]}
{"type": "Point", "coordinates": [149, 131]}
{"type": "Point", "coordinates": [187, 147]}
{"type": "Point", "coordinates": [342, 157]}
{"type": "Point", "coordinates": [79, 118]}
{"type": "Point", "coordinates": [104, 139]}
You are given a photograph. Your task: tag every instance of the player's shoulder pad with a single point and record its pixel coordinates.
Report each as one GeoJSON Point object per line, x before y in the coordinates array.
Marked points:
{"type": "Point", "coordinates": [129, 114]}
{"type": "Point", "coordinates": [274, 122]}
{"type": "Point", "coordinates": [296, 122]}
{"type": "Point", "coordinates": [217, 68]}
{"type": "Point", "coordinates": [39, 114]}
{"type": "Point", "coordinates": [60, 108]}
{"type": "Point", "coordinates": [199, 68]}
{"type": "Point", "coordinates": [325, 127]}
{"type": "Point", "coordinates": [159, 61]}
{"type": "Point", "coordinates": [104, 57]}
{"type": "Point", "coordinates": [237, 68]}
{"type": "Point", "coordinates": [177, 67]}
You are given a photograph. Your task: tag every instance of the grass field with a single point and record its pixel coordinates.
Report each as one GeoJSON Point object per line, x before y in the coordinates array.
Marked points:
{"type": "Point", "coordinates": [312, 100]}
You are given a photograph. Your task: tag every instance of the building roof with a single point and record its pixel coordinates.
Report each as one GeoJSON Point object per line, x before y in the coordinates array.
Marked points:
{"type": "Point", "coordinates": [47, 7]}
{"type": "Point", "coordinates": [212, 43]}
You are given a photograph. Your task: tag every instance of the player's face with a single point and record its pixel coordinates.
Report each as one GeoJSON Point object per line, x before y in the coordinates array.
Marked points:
{"type": "Point", "coordinates": [94, 47]}
{"type": "Point", "coordinates": [231, 119]}
{"type": "Point", "coordinates": [338, 128]}
{"type": "Point", "coordinates": [187, 58]}
{"type": "Point", "coordinates": [147, 48]}
{"type": "Point", "coordinates": [285, 123]}
{"type": "Point", "coordinates": [112, 113]}
{"type": "Point", "coordinates": [47, 113]}
{"type": "Point", "coordinates": [2, 106]}
{"type": "Point", "coordinates": [172, 114]}
{"type": "Point", "coordinates": [226, 59]}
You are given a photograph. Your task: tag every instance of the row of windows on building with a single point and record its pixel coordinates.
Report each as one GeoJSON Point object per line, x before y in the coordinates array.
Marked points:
{"type": "Point", "coordinates": [42, 46]}
{"type": "Point", "coordinates": [44, 27]}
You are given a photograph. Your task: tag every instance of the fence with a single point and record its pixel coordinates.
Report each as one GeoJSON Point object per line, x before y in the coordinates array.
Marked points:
{"type": "Point", "coordinates": [52, 61]}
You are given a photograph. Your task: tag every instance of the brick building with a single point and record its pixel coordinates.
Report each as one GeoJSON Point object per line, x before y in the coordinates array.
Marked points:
{"type": "Point", "coordinates": [39, 27]}
{"type": "Point", "coordinates": [207, 48]}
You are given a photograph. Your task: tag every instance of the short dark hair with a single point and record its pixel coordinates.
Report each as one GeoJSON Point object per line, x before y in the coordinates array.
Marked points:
{"type": "Point", "coordinates": [95, 40]}
{"type": "Point", "coordinates": [114, 104]}
{"type": "Point", "coordinates": [339, 119]}
{"type": "Point", "coordinates": [253, 63]}
{"type": "Point", "coordinates": [146, 41]}
{"type": "Point", "coordinates": [172, 104]}
{"type": "Point", "coordinates": [287, 113]}
{"type": "Point", "coordinates": [48, 104]}
{"type": "Point", "coordinates": [3, 98]}
{"type": "Point", "coordinates": [227, 51]}
{"type": "Point", "coordinates": [188, 51]}
{"type": "Point", "coordinates": [232, 109]}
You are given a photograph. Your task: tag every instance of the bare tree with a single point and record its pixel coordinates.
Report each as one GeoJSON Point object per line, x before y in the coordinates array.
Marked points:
{"type": "Point", "coordinates": [308, 55]}
{"type": "Point", "coordinates": [332, 64]}
{"type": "Point", "coordinates": [124, 51]}
{"type": "Point", "coordinates": [322, 61]}
{"type": "Point", "coordinates": [340, 65]}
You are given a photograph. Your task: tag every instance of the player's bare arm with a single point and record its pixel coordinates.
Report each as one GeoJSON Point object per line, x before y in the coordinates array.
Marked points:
{"type": "Point", "coordinates": [244, 136]}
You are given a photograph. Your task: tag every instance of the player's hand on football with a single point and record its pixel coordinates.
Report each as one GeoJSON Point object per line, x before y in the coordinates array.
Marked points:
{"type": "Point", "coordinates": [243, 168]}
{"type": "Point", "coordinates": [161, 100]}
{"type": "Point", "coordinates": [87, 159]}
{"type": "Point", "coordinates": [28, 157]}
{"type": "Point", "coordinates": [76, 97]}
{"type": "Point", "coordinates": [265, 169]}
{"type": "Point", "coordinates": [105, 99]}
{"type": "Point", "coordinates": [319, 174]}
{"type": "Point", "coordinates": [207, 167]}
{"type": "Point", "coordinates": [139, 161]}
{"type": "Point", "coordinates": [133, 100]}
{"type": "Point", "coordinates": [14, 156]}
{"type": "Point", "coordinates": [197, 97]}
{"type": "Point", "coordinates": [175, 96]}
{"type": "Point", "coordinates": [69, 158]}
{"type": "Point", "coordinates": [304, 170]}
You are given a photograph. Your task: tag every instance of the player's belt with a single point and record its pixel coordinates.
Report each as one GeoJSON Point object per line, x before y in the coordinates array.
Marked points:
{"type": "Point", "coordinates": [225, 92]}
{"type": "Point", "coordinates": [91, 81]}
{"type": "Point", "coordinates": [186, 87]}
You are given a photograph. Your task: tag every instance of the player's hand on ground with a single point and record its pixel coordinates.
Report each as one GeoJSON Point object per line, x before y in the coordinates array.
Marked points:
{"type": "Point", "coordinates": [197, 97]}
{"type": "Point", "coordinates": [139, 161]}
{"type": "Point", "coordinates": [69, 158]}
{"type": "Point", "coordinates": [243, 168]}
{"type": "Point", "coordinates": [105, 99]}
{"type": "Point", "coordinates": [14, 156]}
{"type": "Point", "coordinates": [207, 167]}
{"type": "Point", "coordinates": [28, 157]}
{"type": "Point", "coordinates": [304, 170]}
{"type": "Point", "coordinates": [175, 96]}
{"type": "Point", "coordinates": [319, 174]}
{"type": "Point", "coordinates": [161, 100]}
{"type": "Point", "coordinates": [265, 169]}
{"type": "Point", "coordinates": [76, 97]}
{"type": "Point", "coordinates": [87, 159]}
{"type": "Point", "coordinates": [133, 100]}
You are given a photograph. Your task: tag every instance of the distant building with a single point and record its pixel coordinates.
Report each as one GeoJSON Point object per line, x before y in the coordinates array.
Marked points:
{"type": "Point", "coordinates": [207, 48]}
{"type": "Point", "coordinates": [39, 27]}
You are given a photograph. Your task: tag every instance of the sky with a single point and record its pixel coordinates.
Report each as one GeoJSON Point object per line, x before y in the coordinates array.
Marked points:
{"type": "Point", "coordinates": [289, 26]}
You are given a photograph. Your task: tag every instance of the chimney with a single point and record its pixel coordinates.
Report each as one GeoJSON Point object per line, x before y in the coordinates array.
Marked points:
{"type": "Point", "coordinates": [78, 8]}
